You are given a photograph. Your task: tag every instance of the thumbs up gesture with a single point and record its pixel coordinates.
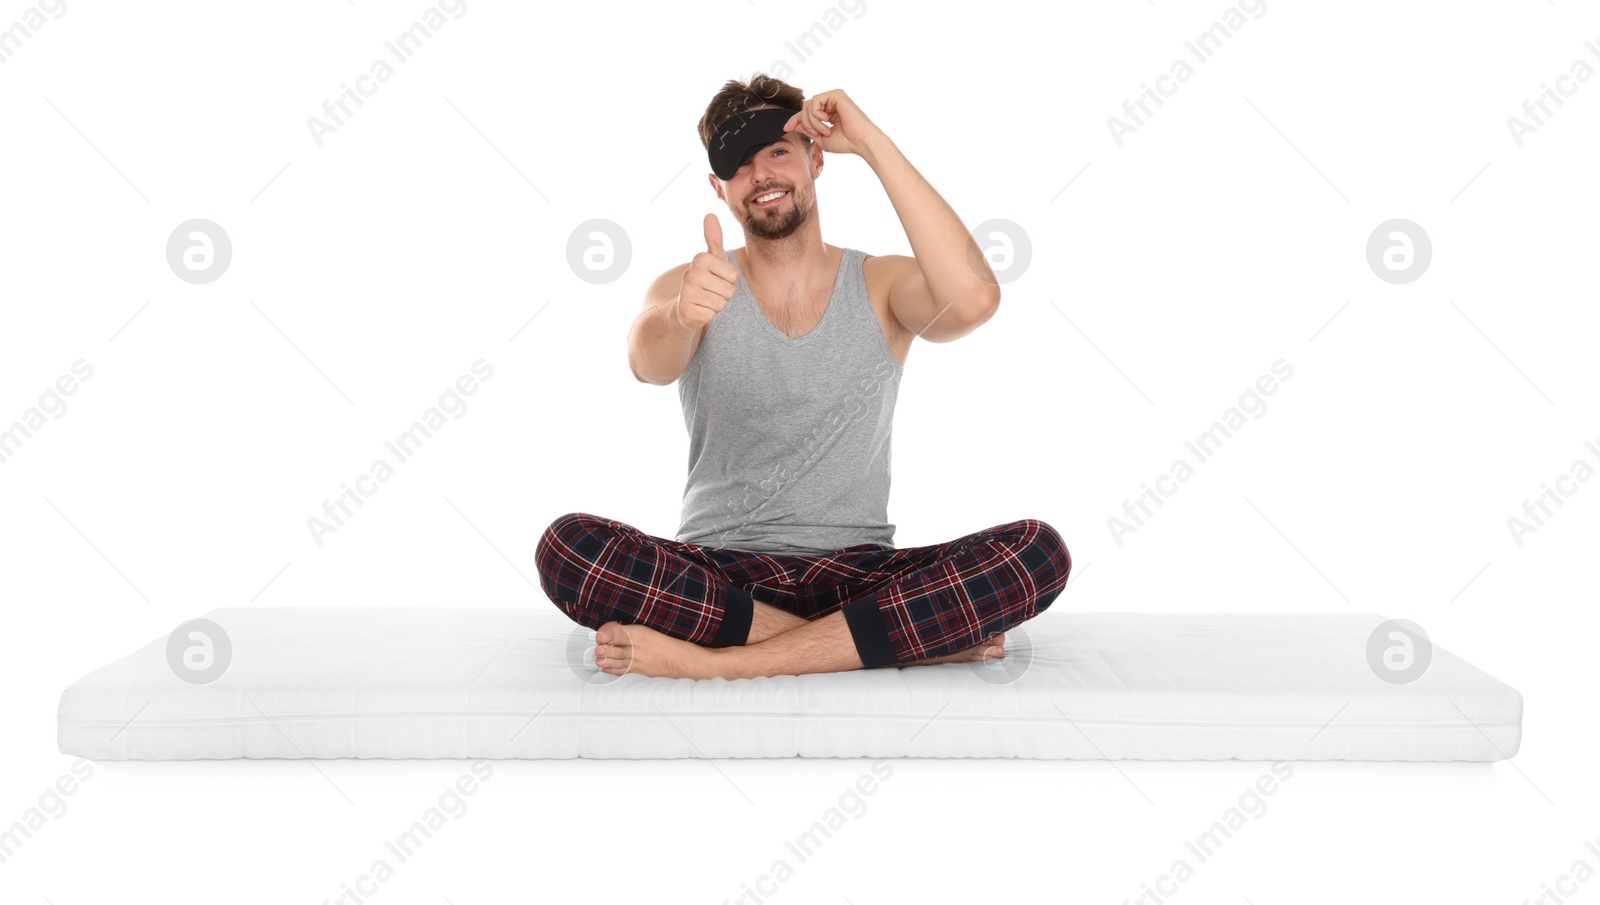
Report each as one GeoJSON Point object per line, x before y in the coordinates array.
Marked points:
{"type": "Point", "coordinates": [708, 284]}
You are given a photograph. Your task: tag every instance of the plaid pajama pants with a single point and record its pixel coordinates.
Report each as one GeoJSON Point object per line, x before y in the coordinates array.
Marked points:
{"type": "Point", "coordinates": [900, 605]}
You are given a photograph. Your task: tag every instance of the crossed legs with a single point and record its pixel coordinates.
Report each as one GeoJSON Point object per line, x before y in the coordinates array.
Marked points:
{"type": "Point", "coordinates": [665, 608]}
{"type": "Point", "coordinates": [780, 644]}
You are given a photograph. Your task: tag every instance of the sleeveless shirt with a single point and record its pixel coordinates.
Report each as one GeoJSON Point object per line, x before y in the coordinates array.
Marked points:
{"type": "Point", "coordinates": [789, 437]}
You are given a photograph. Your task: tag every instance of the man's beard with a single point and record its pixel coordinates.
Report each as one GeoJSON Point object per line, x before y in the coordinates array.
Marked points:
{"type": "Point", "coordinates": [764, 226]}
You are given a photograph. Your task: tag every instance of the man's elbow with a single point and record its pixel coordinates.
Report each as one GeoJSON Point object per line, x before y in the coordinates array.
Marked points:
{"type": "Point", "coordinates": [989, 302]}
{"type": "Point", "coordinates": [635, 354]}
{"type": "Point", "coordinates": [653, 380]}
{"type": "Point", "coordinates": [633, 362]}
{"type": "Point", "coordinates": [955, 322]}
{"type": "Point", "coordinates": [634, 367]}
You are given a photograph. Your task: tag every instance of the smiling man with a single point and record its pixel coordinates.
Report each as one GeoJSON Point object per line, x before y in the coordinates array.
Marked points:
{"type": "Point", "coordinates": [788, 354]}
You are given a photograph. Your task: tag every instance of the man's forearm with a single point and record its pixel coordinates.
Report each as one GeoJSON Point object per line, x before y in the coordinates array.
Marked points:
{"type": "Point", "coordinates": [957, 273]}
{"type": "Point", "coordinates": [658, 350]}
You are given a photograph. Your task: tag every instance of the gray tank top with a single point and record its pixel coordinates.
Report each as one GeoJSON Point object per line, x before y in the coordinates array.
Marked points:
{"type": "Point", "coordinates": [789, 437]}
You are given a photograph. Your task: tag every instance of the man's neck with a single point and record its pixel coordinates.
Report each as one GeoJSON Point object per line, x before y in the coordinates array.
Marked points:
{"type": "Point", "coordinates": [793, 268]}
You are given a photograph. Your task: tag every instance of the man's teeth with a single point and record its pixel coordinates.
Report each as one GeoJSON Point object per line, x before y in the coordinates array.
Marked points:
{"type": "Point", "coordinates": [770, 196]}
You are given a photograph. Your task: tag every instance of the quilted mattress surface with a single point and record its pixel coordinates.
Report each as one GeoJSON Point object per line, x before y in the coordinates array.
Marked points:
{"type": "Point", "coordinates": [423, 682]}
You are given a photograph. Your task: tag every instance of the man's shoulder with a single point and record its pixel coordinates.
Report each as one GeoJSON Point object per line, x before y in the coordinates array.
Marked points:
{"type": "Point", "coordinates": [888, 267]}
{"type": "Point", "coordinates": [883, 271]}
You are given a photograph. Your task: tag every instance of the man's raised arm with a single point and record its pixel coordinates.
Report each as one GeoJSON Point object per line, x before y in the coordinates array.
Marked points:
{"type": "Point", "coordinates": [948, 289]}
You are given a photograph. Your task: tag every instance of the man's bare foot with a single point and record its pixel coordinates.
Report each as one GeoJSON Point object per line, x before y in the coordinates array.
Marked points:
{"type": "Point", "coordinates": [994, 648]}
{"type": "Point", "coordinates": [621, 649]}
{"type": "Point", "coordinates": [639, 649]}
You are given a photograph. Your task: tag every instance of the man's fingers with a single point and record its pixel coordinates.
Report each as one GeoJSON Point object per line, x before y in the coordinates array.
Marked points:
{"type": "Point", "coordinates": [714, 236]}
{"type": "Point", "coordinates": [716, 268]}
{"type": "Point", "coordinates": [715, 282]}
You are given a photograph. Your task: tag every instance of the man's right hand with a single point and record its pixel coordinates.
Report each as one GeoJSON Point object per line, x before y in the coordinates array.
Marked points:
{"type": "Point", "coordinates": [708, 284]}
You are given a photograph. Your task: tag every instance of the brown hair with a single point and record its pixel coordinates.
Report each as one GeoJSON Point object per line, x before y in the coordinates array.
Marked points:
{"type": "Point", "coordinates": [737, 97]}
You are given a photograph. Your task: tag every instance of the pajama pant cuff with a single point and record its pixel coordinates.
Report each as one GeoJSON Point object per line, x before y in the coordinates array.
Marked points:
{"type": "Point", "coordinates": [869, 632]}
{"type": "Point", "coordinates": [738, 608]}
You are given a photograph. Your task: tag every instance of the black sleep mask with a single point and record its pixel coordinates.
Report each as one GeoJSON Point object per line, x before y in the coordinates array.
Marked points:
{"type": "Point", "coordinates": [738, 139]}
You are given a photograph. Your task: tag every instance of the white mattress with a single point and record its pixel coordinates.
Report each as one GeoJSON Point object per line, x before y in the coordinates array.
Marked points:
{"type": "Point", "coordinates": [393, 682]}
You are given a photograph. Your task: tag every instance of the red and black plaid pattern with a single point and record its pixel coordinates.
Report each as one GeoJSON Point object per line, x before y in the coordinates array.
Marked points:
{"type": "Point", "coordinates": [901, 605]}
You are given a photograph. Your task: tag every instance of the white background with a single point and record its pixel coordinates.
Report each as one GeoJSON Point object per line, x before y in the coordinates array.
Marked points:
{"type": "Point", "coordinates": [369, 273]}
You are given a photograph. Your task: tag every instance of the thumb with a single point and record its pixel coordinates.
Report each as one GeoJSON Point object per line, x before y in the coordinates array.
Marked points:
{"type": "Point", "coordinates": [714, 235]}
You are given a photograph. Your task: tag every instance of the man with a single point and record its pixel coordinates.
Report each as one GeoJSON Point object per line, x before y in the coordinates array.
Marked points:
{"type": "Point", "coordinates": [788, 354]}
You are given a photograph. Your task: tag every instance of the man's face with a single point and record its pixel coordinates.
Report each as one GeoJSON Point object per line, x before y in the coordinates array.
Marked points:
{"type": "Point", "coordinates": [781, 167]}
